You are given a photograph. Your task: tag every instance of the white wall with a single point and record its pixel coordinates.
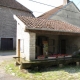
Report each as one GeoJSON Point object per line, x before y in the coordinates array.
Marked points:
{"type": "Point", "coordinates": [25, 36]}
{"type": "Point", "coordinates": [28, 39]}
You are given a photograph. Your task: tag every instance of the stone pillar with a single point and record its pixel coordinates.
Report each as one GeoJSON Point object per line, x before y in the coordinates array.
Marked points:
{"type": "Point", "coordinates": [32, 46]}
{"type": "Point", "coordinates": [0, 43]}
{"type": "Point", "coordinates": [60, 65]}
{"type": "Point", "coordinates": [77, 63]}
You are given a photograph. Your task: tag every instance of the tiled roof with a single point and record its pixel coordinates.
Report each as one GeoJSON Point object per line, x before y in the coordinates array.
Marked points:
{"type": "Point", "coordinates": [48, 25]}
{"type": "Point", "coordinates": [51, 12]}
{"type": "Point", "coordinates": [13, 4]}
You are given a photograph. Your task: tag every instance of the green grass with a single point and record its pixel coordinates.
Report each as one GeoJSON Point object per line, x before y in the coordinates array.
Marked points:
{"type": "Point", "coordinates": [55, 73]}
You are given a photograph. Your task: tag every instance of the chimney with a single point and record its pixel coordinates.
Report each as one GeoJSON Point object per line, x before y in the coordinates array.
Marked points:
{"type": "Point", "coordinates": [65, 2]}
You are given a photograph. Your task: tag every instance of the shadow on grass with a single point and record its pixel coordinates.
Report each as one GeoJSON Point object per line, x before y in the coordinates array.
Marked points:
{"type": "Point", "coordinates": [71, 68]}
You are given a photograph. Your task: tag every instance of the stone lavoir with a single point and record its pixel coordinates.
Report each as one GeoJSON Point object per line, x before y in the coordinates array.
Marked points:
{"type": "Point", "coordinates": [42, 41]}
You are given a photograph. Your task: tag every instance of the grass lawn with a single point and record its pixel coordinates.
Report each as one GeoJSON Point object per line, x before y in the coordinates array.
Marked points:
{"type": "Point", "coordinates": [54, 73]}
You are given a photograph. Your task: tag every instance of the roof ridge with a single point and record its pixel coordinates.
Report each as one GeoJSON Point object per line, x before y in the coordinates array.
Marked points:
{"type": "Point", "coordinates": [54, 10]}
{"type": "Point", "coordinates": [37, 18]}
{"type": "Point", "coordinates": [14, 5]}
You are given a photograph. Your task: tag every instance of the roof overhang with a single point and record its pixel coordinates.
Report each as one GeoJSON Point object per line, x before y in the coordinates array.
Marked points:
{"type": "Point", "coordinates": [52, 32]}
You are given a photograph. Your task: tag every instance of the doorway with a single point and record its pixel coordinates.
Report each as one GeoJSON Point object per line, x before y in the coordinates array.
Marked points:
{"type": "Point", "coordinates": [6, 43]}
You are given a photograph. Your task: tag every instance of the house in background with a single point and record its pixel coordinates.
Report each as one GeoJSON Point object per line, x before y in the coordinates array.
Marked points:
{"type": "Point", "coordinates": [7, 23]}
{"type": "Point", "coordinates": [42, 38]}
{"type": "Point", "coordinates": [68, 12]}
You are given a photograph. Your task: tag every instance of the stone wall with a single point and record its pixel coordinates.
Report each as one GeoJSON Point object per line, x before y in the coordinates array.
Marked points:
{"type": "Point", "coordinates": [73, 44]}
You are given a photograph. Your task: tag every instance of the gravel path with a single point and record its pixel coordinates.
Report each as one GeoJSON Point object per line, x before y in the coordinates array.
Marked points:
{"type": "Point", "coordinates": [7, 55]}
{"type": "Point", "coordinates": [5, 76]}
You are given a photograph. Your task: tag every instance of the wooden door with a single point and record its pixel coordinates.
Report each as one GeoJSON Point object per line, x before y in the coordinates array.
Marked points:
{"type": "Point", "coordinates": [6, 43]}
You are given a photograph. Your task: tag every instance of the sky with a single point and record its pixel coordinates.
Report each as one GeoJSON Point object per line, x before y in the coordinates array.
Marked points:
{"type": "Point", "coordinates": [39, 9]}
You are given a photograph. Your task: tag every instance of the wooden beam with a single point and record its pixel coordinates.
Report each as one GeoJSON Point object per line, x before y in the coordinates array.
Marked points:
{"type": "Point", "coordinates": [18, 49]}
{"type": "Point", "coordinates": [54, 32]}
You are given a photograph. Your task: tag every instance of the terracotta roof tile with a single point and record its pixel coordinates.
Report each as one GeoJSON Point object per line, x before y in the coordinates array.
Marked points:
{"type": "Point", "coordinates": [51, 12]}
{"type": "Point", "coordinates": [13, 4]}
{"type": "Point", "coordinates": [52, 25]}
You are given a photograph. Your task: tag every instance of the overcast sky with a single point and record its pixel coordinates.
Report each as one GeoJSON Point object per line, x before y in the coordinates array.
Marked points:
{"type": "Point", "coordinates": [39, 9]}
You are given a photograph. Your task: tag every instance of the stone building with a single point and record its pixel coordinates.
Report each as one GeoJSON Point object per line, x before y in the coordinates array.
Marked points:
{"type": "Point", "coordinates": [7, 23]}
{"type": "Point", "coordinates": [39, 38]}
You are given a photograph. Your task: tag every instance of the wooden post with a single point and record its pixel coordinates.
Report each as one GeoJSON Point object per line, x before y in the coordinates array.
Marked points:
{"type": "Point", "coordinates": [19, 50]}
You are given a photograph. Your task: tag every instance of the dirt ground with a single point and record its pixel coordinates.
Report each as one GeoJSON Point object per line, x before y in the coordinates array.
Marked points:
{"type": "Point", "coordinates": [7, 55]}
